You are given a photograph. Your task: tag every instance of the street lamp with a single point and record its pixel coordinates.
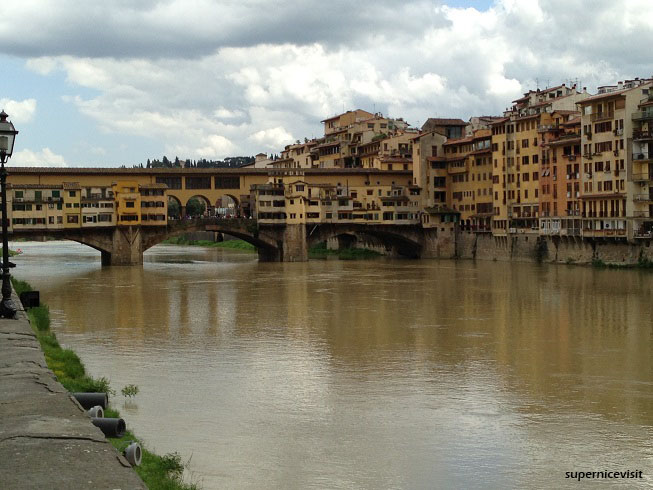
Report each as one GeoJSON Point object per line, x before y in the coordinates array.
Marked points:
{"type": "Point", "coordinates": [7, 137]}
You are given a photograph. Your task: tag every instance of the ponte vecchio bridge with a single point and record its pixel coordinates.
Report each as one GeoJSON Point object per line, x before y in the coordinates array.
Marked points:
{"type": "Point", "coordinates": [122, 212]}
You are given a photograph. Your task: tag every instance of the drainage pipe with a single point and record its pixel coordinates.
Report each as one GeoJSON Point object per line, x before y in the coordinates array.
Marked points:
{"type": "Point", "coordinates": [89, 400]}
{"type": "Point", "coordinates": [96, 412]}
{"type": "Point", "coordinates": [110, 427]}
{"type": "Point", "coordinates": [134, 454]}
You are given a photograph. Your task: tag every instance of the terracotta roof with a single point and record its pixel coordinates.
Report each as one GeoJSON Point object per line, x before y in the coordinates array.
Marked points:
{"type": "Point", "coordinates": [457, 141]}
{"type": "Point", "coordinates": [602, 96]}
{"type": "Point", "coordinates": [438, 121]}
{"type": "Point", "coordinates": [500, 120]}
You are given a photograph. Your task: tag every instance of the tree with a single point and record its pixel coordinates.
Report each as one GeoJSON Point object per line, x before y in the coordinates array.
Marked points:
{"type": "Point", "coordinates": [173, 208]}
{"type": "Point", "coordinates": [195, 207]}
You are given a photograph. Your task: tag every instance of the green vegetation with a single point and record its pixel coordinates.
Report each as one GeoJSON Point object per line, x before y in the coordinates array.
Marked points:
{"type": "Point", "coordinates": [129, 391]}
{"type": "Point", "coordinates": [642, 263]}
{"type": "Point", "coordinates": [20, 286]}
{"type": "Point", "coordinates": [231, 244]}
{"type": "Point", "coordinates": [158, 472]}
{"type": "Point", "coordinates": [598, 263]}
{"type": "Point", "coordinates": [320, 251]}
{"type": "Point", "coordinates": [195, 207]}
{"type": "Point", "coordinates": [12, 253]}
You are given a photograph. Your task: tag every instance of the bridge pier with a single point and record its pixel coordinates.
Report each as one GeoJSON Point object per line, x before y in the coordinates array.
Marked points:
{"type": "Point", "coordinates": [294, 247]}
{"type": "Point", "coordinates": [127, 247]}
{"type": "Point", "coordinates": [266, 254]}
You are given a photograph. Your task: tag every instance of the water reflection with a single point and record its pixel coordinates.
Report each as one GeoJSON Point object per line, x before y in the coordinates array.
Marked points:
{"type": "Point", "coordinates": [365, 374]}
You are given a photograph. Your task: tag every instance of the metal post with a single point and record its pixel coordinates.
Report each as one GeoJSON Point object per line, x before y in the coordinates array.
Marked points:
{"type": "Point", "coordinates": [7, 307]}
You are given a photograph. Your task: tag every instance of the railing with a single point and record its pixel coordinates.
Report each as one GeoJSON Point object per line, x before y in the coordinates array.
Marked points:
{"type": "Point", "coordinates": [568, 136]}
{"type": "Point", "coordinates": [641, 214]}
{"type": "Point", "coordinates": [642, 177]}
{"type": "Point", "coordinates": [643, 234]}
{"type": "Point", "coordinates": [600, 116]}
{"type": "Point", "coordinates": [643, 197]}
{"type": "Point", "coordinates": [643, 135]}
{"type": "Point", "coordinates": [642, 115]}
{"type": "Point", "coordinates": [641, 156]}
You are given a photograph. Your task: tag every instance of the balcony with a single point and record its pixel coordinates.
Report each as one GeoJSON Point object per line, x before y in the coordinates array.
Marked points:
{"type": "Point", "coordinates": [643, 233]}
{"type": "Point", "coordinates": [642, 115]}
{"type": "Point", "coordinates": [643, 198]}
{"type": "Point", "coordinates": [641, 156]}
{"type": "Point", "coordinates": [642, 177]}
{"type": "Point", "coordinates": [643, 135]}
{"type": "Point", "coordinates": [601, 116]}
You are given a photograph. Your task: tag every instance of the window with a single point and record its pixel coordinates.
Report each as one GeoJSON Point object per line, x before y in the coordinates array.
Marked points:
{"type": "Point", "coordinates": [171, 182]}
{"type": "Point", "coordinates": [18, 194]}
{"type": "Point", "coordinates": [129, 204]}
{"type": "Point", "coordinates": [72, 193]}
{"type": "Point", "coordinates": [198, 182]}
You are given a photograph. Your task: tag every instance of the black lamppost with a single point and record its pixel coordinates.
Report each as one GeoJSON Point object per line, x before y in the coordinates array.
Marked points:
{"type": "Point", "coordinates": [7, 137]}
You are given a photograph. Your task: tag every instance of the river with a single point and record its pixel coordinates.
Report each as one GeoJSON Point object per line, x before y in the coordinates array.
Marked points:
{"type": "Point", "coordinates": [370, 374]}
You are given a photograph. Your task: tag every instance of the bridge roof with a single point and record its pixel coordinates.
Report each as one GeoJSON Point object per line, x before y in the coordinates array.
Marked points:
{"type": "Point", "coordinates": [34, 186]}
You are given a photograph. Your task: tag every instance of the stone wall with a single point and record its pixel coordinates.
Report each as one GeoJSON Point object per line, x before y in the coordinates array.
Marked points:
{"type": "Point", "coordinates": [527, 247]}
{"type": "Point", "coordinates": [439, 243]}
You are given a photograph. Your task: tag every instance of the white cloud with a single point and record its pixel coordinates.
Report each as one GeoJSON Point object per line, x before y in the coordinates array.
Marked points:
{"type": "Point", "coordinates": [202, 91]}
{"type": "Point", "coordinates": [273, 138]}
{"type": "Point", "coordinates": [43, 158]}
{"type": "Point", "coordinates": [19, 111]}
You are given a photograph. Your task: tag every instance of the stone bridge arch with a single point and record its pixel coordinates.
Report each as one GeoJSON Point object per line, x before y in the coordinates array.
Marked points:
{"type": "Point", "coordinates": [401, 240]}
{"type": "Point", "coordinates": [267, 243]}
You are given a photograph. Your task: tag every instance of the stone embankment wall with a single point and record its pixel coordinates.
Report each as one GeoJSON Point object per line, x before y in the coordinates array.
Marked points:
{"type": "Point", "coordinates": [528, 247]}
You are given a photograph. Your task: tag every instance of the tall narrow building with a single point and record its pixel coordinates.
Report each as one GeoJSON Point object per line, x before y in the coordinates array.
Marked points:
{"type": "Point", "coordinates": [616, 194]}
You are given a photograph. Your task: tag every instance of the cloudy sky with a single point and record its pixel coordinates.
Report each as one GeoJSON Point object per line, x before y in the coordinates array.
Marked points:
{"type": "Point", "coordinates": [97, 83]}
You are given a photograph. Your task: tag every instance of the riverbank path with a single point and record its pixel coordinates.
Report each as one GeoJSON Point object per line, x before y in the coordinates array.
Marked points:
{"type": "Point", "coordinates": [46, 438]}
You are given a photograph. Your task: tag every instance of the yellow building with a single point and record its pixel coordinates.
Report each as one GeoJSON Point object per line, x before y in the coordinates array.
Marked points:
{"type": "Point", "coordinates": [516, 155]}
{"type": "Point", "coordinates": [128, 203]}
{"type": "Point", "coordinates": [469, 173]}
{"type": "Point", "coordinates": [72, 211]}
{"type": "Point", "coordinates": [154, 204]}
{"type": "Point", "coordinates": [353, 197]}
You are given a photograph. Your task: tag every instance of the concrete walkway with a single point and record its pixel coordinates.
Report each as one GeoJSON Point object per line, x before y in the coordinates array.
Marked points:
{"type": "Point", "coordinates": [46, 439]}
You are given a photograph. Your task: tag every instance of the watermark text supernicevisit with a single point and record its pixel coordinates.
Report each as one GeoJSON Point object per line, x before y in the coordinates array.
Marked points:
{"type": "Point", "coordinates": [606, 474]}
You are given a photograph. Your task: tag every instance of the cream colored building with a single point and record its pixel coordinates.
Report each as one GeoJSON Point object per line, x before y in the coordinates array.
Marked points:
{"type": "Point", "coordinates": [616, 193]}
